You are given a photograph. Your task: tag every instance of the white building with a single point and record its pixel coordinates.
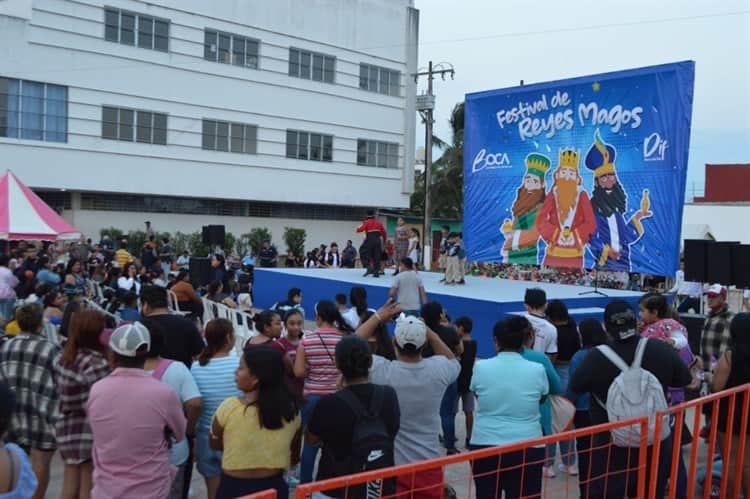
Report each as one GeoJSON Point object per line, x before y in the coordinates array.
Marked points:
{"type": "Point", "coordinates": [253, 113]}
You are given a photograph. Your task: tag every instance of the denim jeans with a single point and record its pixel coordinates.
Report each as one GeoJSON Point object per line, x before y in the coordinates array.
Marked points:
{"type": "Point", "coordinates": [309, 452]}
{"type": "Point", "coordinates": [448, 415]}
{"type": "Point", "coordinates": [567, 447]}
{"type": "Point", "coordinates": [6, 309]}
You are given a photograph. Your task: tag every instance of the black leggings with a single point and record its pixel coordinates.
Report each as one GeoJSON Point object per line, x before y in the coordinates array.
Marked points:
{"type": "Point", "coordinates": [230, 487]}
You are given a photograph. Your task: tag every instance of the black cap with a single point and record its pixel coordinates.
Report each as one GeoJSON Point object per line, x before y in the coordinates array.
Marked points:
{"type": "Point", "coordinates": [620, 320]}
{"type": "Point", "coordinates": [370, 213]}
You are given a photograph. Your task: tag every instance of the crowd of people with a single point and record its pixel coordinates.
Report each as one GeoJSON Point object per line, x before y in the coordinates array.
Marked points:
{"type": "Point", "coordinates": [131, 408]}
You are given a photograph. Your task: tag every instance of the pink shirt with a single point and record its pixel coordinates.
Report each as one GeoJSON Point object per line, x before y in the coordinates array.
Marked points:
{"type": "Point", "coordinates": [129, 411]}
{"type": "Point", "coordinates": [320, 349]}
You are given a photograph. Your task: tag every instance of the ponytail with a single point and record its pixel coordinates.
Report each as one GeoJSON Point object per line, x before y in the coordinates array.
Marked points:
{"type": "Point", "coordinates": [328, 312]}
{"type": "Point", "coordinates": [218, 334]}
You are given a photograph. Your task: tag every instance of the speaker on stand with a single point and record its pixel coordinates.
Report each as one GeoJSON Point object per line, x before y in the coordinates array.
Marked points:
{"type": "Point", "coordinates": [200, 271]}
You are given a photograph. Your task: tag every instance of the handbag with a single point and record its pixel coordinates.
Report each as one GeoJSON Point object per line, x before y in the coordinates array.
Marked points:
{"type": "Point", "coordinates": [563, 412]}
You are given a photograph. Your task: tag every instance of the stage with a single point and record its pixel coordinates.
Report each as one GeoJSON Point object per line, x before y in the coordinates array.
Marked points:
{"type": "Point", "coordinates": [484, 300]}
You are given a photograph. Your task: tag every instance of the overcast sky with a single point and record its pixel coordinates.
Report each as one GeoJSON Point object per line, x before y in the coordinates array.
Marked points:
{"type": "Point", "coordinates": [497, 43]}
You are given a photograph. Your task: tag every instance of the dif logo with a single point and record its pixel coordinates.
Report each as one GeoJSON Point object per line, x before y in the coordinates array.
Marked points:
{"type": "Point", "coordinates": [654, 147]}
{"type": "Point", "coordinates": [490, 161]}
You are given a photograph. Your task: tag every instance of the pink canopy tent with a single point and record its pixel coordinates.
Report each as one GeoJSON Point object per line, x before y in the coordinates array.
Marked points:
{"type": "Point", "coordinates": [24, 216]}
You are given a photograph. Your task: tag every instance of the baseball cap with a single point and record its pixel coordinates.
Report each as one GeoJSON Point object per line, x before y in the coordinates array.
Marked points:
{"type": "Point", "coordinates": [410, 331]}
{"type": "Point", "coordinates": [715, 290]}
{"type": "Point", "coordinates": [126, 340]}
{"type": "Point", "coordinates": [619, 319]}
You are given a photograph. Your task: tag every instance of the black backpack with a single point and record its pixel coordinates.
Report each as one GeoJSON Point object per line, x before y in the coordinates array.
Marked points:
{"type": "Point", "coordinates": [372, 447]}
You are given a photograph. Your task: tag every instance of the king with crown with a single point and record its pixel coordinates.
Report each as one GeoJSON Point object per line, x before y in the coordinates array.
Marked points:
{"type": "Point", "coordinates": [614, 235]}
{"type": "Point", "coordinates": [566, 220]}
{"type": "Point", "coordinates": [521, 236]}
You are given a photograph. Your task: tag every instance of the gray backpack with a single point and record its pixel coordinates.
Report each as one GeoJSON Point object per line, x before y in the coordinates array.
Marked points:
{"type": "Point", "coordinates": [634, 393]}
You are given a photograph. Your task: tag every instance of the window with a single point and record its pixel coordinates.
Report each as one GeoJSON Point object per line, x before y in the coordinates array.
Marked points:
{"type": "Point", "coordinates": [134, 126]}
{"type": "Point", "coordinates": [230, 49]}
{"type": "Point", "coordinates": [378, 154]}
{"type": "Point", "coordinates": [306, 145]}
{"type": "Point", "coordinates": [33, 110]}
{"type": "Point", "coordinates": [380, 80]}
{"type": "Point", "coordinates": [311, 65]}
{"type": "Point", "coordinates": [129, 28]}
{"type": "Point", "coordinates": [229, 137]}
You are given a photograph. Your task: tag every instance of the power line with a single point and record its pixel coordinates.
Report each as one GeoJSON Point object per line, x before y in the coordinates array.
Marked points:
{"type": "Point", "coordinates": [568, 30]}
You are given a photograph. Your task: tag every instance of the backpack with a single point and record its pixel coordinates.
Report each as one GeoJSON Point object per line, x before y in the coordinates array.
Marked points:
{"type": "Point", "coordinates": [635, 392]}
{"type": "Point", "coordinates": [371, 448]}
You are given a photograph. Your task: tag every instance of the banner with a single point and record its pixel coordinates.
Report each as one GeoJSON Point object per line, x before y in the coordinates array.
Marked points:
{"type": "Point", "coordinates": [582, 173]}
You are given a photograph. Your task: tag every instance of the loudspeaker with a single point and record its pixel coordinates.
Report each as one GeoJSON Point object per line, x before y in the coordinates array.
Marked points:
{"type": "Point", "coordinates": [696, 258]}
{"type": "Point", "coordinates": [741, 265]}
{"type": "Point", "coordinates": [213, 235]}
{"type": "Point", "coordinates": [200, 271]}
{"type": "Point", "coordinates": [719, 262]}
{"type": "Point", "coordinates": [694, 325]}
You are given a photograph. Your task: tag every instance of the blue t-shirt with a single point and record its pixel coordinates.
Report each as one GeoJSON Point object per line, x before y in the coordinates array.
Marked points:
{"type": "Point", "coordinates": [555, 387]}
{"type": "Point", "coordinates": [215, 381]}
{"type": "Point", "coordinates": [509, 389]}
{"type": "Point", "coordinates": [26, 484]}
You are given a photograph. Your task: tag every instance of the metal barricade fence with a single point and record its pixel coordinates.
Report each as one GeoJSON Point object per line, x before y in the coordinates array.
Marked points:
{"type": "Point", "coordinates": [604, 469]}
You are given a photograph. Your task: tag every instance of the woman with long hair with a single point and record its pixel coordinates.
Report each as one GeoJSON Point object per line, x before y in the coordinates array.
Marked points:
{"type": "Point", "coordinates": [294, 323]}
{"type": "Point", "coordinates": [380, 342]}
{"type": "Point", "coordinates": [54, 306]}
{"type": "Point", "coordinates": [269, 326]}
{"type": "Point", "coordinates": [129, 280]}
{"type": "Point", "coordinates": [315, 363]}
{"type": "Point", "coordinates": [214, 374]}
{"type": "Point", "coordinates": [259, 432]}
{"type": "Point", "coordinates": [216, 294]}
{"type": "Point", "coordinates": [401, 244]}
{"type": "Point", "coordinates": [734, 370]}
{"type": "Point", "coordinates": [75, 281]}
{"type": "Point", "coordinates": [82, 364]}
{"type": "Point", "coordinates": [355, 315]}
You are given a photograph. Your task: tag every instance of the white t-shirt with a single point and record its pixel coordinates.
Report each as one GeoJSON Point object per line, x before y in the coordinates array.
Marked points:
{"type": "Point", "coordinates": [545, 332]}
{"type": "Point", "coordinates": [352, 318]}
{"type": "Point", "coordinates": [179, 378]}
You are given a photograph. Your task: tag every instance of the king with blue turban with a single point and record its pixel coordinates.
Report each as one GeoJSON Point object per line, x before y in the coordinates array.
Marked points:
{"type": "Point", "coordinates": [614, 235]}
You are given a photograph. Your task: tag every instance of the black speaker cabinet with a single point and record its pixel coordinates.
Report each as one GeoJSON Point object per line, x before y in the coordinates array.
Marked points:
{"type": "Point", "coordinates": [696, 259]}
{"type": "Point", "coordinates": [741, 265]}
{"type": "Point", "coordinates": [719, 262]}
{"type": "Point", "coordinates": [200, 271]}
{"type": "Point", "coordinates": [694, 325]}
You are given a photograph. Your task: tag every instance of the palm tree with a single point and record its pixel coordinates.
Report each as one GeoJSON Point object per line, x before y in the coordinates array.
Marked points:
{"type": "Point", "coordinates": [447, 190]}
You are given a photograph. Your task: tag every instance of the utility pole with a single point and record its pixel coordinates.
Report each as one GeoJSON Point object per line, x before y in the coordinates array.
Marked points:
{"type": "Point", "coordinates": [425, 107]}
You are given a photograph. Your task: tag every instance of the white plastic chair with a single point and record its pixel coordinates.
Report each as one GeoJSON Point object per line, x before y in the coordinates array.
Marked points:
{"type": "Point", "coordinates": [174, 305]}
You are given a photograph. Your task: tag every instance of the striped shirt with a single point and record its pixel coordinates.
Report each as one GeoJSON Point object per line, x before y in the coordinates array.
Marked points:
{"type": "Point", "coordinates": [320, 348]}
{"type": "Point", "coordinates": [215, 381]}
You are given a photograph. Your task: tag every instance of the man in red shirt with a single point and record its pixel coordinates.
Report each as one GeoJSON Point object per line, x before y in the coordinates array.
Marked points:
{"type": "Point", "coordinates": [372, 249]}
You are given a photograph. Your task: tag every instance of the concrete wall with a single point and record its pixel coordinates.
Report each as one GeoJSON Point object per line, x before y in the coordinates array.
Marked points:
{"type": "Point", "coordinates": [64, 44]}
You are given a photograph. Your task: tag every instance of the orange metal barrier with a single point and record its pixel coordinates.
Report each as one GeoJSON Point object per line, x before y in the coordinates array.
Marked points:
{"type": "Point", "coordinates": [516, 468]}
{"type": "Point", "coordinates": [265, 494]}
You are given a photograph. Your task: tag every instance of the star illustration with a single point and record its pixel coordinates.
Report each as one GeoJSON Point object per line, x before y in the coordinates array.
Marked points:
{"type": "Point", "coordinates": [596, 86]}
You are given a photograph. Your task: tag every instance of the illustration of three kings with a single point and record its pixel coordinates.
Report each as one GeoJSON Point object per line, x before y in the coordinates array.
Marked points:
{"type": "Point", "coordinates": [567, 220]}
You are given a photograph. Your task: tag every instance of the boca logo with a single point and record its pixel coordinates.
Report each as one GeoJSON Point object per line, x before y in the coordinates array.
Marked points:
{"type": "Point", "coordinates": [490, 161]}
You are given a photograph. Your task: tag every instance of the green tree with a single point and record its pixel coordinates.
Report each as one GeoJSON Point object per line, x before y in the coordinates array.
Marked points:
{"type": "Point", "coordinates": [295, 240]}
{"type": "Point", "coordinates": [447, 189]}
{"type": "Point", "coordinates": [256, 237]}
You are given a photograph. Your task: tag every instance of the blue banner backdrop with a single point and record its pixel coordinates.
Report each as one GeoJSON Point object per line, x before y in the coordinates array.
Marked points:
{"type": "Point", "coordinates": [586, 172]}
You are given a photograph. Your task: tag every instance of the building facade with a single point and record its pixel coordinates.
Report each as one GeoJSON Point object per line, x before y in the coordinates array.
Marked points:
{"type": "Point", "coordinates": [186, 112]}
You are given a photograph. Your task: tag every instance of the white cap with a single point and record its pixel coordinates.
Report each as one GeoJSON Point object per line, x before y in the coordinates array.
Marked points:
{"type": "Point", "coordinates": [127, 339]}
{"type": "Point", "coordinates": [410, 331]}
{"type": "Point", "coordinates": [715, 289]}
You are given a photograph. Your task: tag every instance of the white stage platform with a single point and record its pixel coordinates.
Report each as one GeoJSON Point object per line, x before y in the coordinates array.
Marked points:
{"type": "Point", "coordinates": [484, 300]}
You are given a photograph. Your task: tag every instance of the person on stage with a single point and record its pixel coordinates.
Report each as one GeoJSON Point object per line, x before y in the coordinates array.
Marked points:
{"type": "Point", "coordinates": [566, 219]}
{"type": "Point", "coordinates": [373, 246]}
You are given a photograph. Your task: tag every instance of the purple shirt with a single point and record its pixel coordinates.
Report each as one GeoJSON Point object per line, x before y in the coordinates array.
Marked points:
{"type": "Point", "coordinates": [129, 411]}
